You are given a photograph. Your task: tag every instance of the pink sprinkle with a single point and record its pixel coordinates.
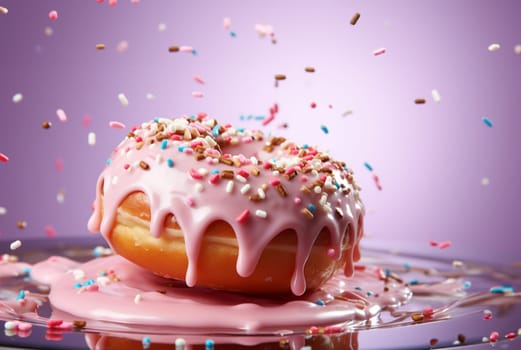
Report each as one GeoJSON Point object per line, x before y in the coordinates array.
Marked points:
{"type": "Point", "coordinates": [53, 323]}
{"type": "Point", "coordinates": [268, 119]}
{"type": "Point", "coordinates": [244, 216]}
{"type": "Point", "coordinates": [58, 164]}
{"type": "Point", "coordinates": [186, 49]}
{"type": "Point", "coordinates": [126, 166]}
{"type": "Point", "coordinates": [510, 335]}
{"type": "Point", "coordinates": [86, 121]}
{"type": "Point", "coordinates": [3, 158]}
{"type": "Point", "coordinates": [333, 329]}
{"type": "Point", "coordinates": [61, 115]}
{"type": "Point", "coordinates": [376, 180]}
{"type": "Point", "coordinates": [190, 202]}
{"type": "Point", "coordinates": [92, 288]}
{"type": "Point", "coordinates": [116, 125]}
{"type": "Point", "coordinates": [53, 15]}
{"type": "Point", "coordinates": [113, 2]}
{"type": "Point", "coordinates": [274, 182]}
{"type": "Point", "coordinates": [195, 174]}
{"type": "Point", "coordinates": [243, 173]}
{"type": "Point", "coordinates": [214, 179]}
{"type": "Point", "coordinates": [297, 200]}
{"type": "Point", "coordinates": [379, 52]}
{"type": "Point", "coordinates": [50, 231]}
{"type": "Point", "coordinates": [428, 311]}
{"type": "Point", "coordinates": [443, 245]}
{"type": "Point", "coordinates": [487, 317]}
{"type": "Point", "coordinates": [100, 1]}
{"type": "Point", "coordinates": [433, 243]}
{"type": "Point", "coordinates": [494, 336]}
{"type": "Point", "coordinates": [24, 326]}
{"type": "Point", "coordinates": [227, 23]}
{"type": "Point", "coordinates": [303, 178]}
{"type": "Point", "coordinates": [197, 94]}
{"type": "Point", "coordinates": [313, 105]}
{"type": "Point", "coordinates": [331, 252]}
{"type": "Point", "coordinates": [198, 79]}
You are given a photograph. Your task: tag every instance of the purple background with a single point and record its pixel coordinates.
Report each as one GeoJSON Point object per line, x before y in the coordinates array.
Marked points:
{"type": "Point", "coordinates": [430, 158]}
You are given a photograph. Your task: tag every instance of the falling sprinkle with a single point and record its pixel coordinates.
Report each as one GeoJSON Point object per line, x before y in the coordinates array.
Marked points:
{"type": "Point", "coordinates": [208, 345]}
{"type": "Point", "coordinates": [436, 97]}
{"type": "Point", "coordinates": [197, 94]}
{"type": "Point", "coordinates": [50, 231]}
{"type": "Point", "coordinates": [494, 47]}
{"type": "Point", "coordinates": [173, 48]}
{"type": "Point", "coordinates": [91, 139]}
{"type": "Point", "coordinates": [487, 122]}
{"type": "Point", "coordinates": [60, 196]}
{"type": "Point", "coordinates": [146, 342]}
{"type": "Point", "coordinates": [161, 27]}
{"type": "Point", "coordinates": [113, 2]}
{"type": "Point", "coordinates": [279, 77]}
{"type": "Point", "coordinates": [198, 79]}
{"type": "Point", "coordinates": [264, 30]}
{"type": "Point", "coordinates": [485, 181]}
{"type": "Point", "coordinates": [48, 31]}
{"type": "Point", "coordinates": [15, 245]}
{"type": "Point", "coordinates": [123, 99]}
{"type": "Point", "coordinates": [17, 98]}
{"type": "Point", "coordinates": [3, 10]}
{"type": "Point", "coordinates": [46, 124]}
{"type": "Point", "coordinates": [347, 112]}
{"type": "Point", "coordinates": [187, 49]}
{"type": "Point", "coordinates": [227, 23]}
{"type": "Point", "coordinates": [61, 115]}
{"type": "Point", "coordinates": [355, 18]}
{"type": "Point", "coordinates": [517, 49]}
{"type": "Point", "coordinates": [3, 158]}
{"type": "Point", "coordinates": [3, 211]}
{"type": "Point", "coordinates": [445, 244]}
{"type": "Point", "coordinates": [122, 46]}
{"type": "Point", "coordinates": [324, 129]}
{"type": "Point", "coordinates": [420, 101]}
{"type": "Point", "coordinates": [180, 344]}
{"type": "Point", "coordinates": [368, 166]}
{"type": "Point", "coordinates": [21, 224]}
{"type": "Point", "coordinates": [53, 15]}
{"type": "Point", "coordinates": [502, 289]}
{"type": "Point", "coordinates": [116, 125]}
{"type": "Point", "coordinates": [100, 46]}
{"type": "Point", "coordinates": [376, 181]}
{"type": "Point", "coordinates": [379, 52]}
{"type": "Point", "coordinates": [85, 122]}
{"type": "Point", "coordinates": [309, 69]}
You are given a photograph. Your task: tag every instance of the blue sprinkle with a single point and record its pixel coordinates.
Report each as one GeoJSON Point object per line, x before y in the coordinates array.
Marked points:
{"type": "Point", "coordinates": [312, 208]}
{"type": "Point", "coordinates": [233, 34]}
{"type": "Point", "coordinates": [320, 302]}
{"type": "Point", "coordinates": [26, 271]}
{"type": "Point", "coordinates": [387, 272]}
{"type": "Point", "coordinates": [414, 282]}
{"type": "Point", "coordinates": [156, 120]}
{"type": "Point", "coordinates": [407, 266]}
{"type": "Point", "coordinates": [170, 162]}
{"type": "Point", "coordinates": [77, 285]}
{"type": "Point", "coordinates": [21, 295]}
{"type": "Point", "coordinates": [467, 284]}
{"type": "Point", "coordinates": [368, 166]}
{"type": "Point", "coordinates": [324, 129]}
{"type": "Point", "coordinates": [215, 130]}
{"type": "Point", "coordinates": [146, 342]}
{"type": "Point", "coordinates": [241, 117]}
{"type": "Point", "coordinates": [164, 143]}
{"type": "Point", "coordinates": [260, 117]}
{"type": "Point", "coordinates": [358, 288]}
{"type": "Point", "coordinates": [103, 273]}
{"type": "Point", "coordinates": [487, 122]}
{"type": "Point", "coordinates": [194, 52]}
{"type": "Point", "coordinates": [209, 344]}
{"type": "Point", "coordinates": [181, 148]}
{"type": "Point", "coordinates": [369, 293]}
{"type": "Point", "coordinates": [502, 289]}
{"type": "Point", "coordinates": [214, 171]}
{"type": "Point", "coordinates": [305, 146]}
{"type": "Point", "coordinates": [109, 160]}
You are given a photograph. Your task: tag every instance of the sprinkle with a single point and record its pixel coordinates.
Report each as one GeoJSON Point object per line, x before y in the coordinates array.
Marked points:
{"type": "Point", "coordinates": [502, 289]}
{"type": "Point", "coordinates": [227, 23]}
{"type": "Point", "coordinates": [376, 181]}
{"type": "Point", "coordinates": [313, 105]}
{"type": "Point", "coordinates": [436, 97]}
{"type": "Point", "coordinates": [79, 324]}
{"type": "Point", "coordinates": [15, 245]}
{"type": "Point", "coordinates": [324, 129]}
{"type": "Point", "coordinates": [433, 341]}
{"type": "Point", "coordinates": [485, 181]}
{"type": "Point", "coordinates": [309, 69]}
{"type": "Point", "coordinates": [3, 158]}
{"type": "Point", "coordinates": [17, 98]}
{"type": "Point", "coordinates": [122, 46]}
{"type": "Point", "coordinates": [21, 224]}
{"type": "Point", "coordinates": [144, 165]}
{"type": "Point", "coordinates": [494, 47]}
{"type": "Point", "coordinates": [420, 101]}
{"type": "Point", "coordinates": [198, 94]}
{"type": "Point", "coordinates": [368, 166]}
{"type": "Point", "coordinates": [186, 49]}
{"type": "Point", "coordinates": [355, 18]}
{"type": "Point", "coordinates": [517, 49]}
{"type": "Point", "coordinates": [123, 99]}
{"type": "Point", "coordinates": [100, 46]}
{"type": "Point", "coordinates": [46, 124]}
{"type": "Point", "coordinates": [307, 213]}
{"type": "Point", "coordinates": [53, 323]}
{"type": "Point", "coordinates": [208, 345]}
{"type": "Point", "coordinates": [282, 190]}
{"type": "Point", "coordinates": [229, 186]}
{"type": "Point", "coordinates": [280, 77]}
{"type": "Point", "coordinates": [240, 178]}
{"type": "Point", "coordinates": [347, 112]}
{"type": "Point", "coordinates": [50, 231]}
{"type": "Point", "coordinates": [457, 264]}
{"type": "Point", "coordinates": [379, 52]}
{"type": "Point", "coordinates": [445, 244]}
{"type": "Point", "coordinates": [137, 299]}
{"type": "Point", "coordinates": [170, 162]}
{"type": "Point", "coordinates": [261, 193]}
{"type": "Point", "coordinates": [243, 216]}
{"type": "Point", "coordinates": [61, 115]}
{"type": "Point", "coordinates": [11, 325]}
{"type": "Point", "coordinates": [194, 174]}
{"type": "Point", "coordinates": [510, 335]}
{"type": "Point", "coordinates": [487, 122]}
{"type": "Point", "coordinates": [3, 211]}
{"type": "Point", "coordinates": [297, 200]}
{"type": "Point", "coordinates": [198, 79]}
{"type": "Point", "coordinates": [493, 337]}
{"type": "Point", "coordinates": [244, 189]}
{"type": "Point", "coordinates": [116, 125]}
{"type": "Point", "coordinates": [261, 213]}
{"type": "Point", "coordinates": [180, 344]}
{"type": "Point", "coordinates": [146, 342]}
{"type": "Point", "coordinates": [53, 15]}
{"type": "Point", "coordinates": [113, 2]}
{"type": "Point", "coordinates": [3, 10]}
{"type": "Point", "coordinates": [91, 138]}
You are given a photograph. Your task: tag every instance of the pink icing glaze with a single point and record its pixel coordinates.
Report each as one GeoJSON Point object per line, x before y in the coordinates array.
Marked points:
{"type": "Point", "coordinates": [168, 173]}
{"type": "Point", "coordinates": [168, 304]}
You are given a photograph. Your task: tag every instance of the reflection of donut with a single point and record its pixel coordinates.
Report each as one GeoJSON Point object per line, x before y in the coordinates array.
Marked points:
{"type": "Point", "coordinates": [344, 341]}
{"type": "Point", "coordinates": [221, 207]}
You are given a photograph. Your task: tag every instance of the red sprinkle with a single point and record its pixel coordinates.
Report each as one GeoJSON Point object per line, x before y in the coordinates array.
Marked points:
{"type": "Point", "coordinates": [313, 105]}
{"type": "Point", "coordinates": [376, 180]}
{"type": "Point", "coordinates": [214, 179]}
{"type": "Point", "coordinates": [433, 243]}
{"type": "Point", "coordinates": [443, 245]}
{"type": "Point", "coordinates": [53, 323]}
{"type": "Point", "coordinates": [3, 158]}
{"type": "Point", "coordinates": [195, 174]}
{"type": "Point", "coordinates": [53, 15]}
{"type": "Point", "coordinates": [243, 173]}
{"type": "Point", "coordinates": [274, 182]}
{"type": "Point", "coordinates": [494, 336]}
{"type": "Point", "coordinates": [428, 311]}
{"type": "Point", "coordinates": [487, 317]}
{"type": "Point", "coordinates": [50, 231]}
{"type": "Point", "coordinates": [510, 335]}
{"type": "Point", "coordinates": [244, 216]}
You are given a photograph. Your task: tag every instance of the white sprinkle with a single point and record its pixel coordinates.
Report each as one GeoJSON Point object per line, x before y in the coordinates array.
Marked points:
{"type": "Point", "coordinates": [11, 325]}
{"type": "Point", "coordinates": [379, 52]}
{"type": "Point", "coordinates": [3, 10]}
{"type": "Point", "coordinates": [202, 171]}
{"type": "Point", "coordinates": [115, 180]}
{"type": "Point", "coordinates": [229, 186]}
{"type": "Point", "coordinates": [240, 178]}
{"type": "Point", "coordinates": [91, 139]}
{"type": "Point", "coordinates": [122, 46]}
{"type": "Point", "coordinates": [254, 160]}
{"type": "Point", "coordinates": [457, 263]}
{"type": "Point", "coordinates": [186, 49]}
{"type": "Point", "coordinates": [78, 274]}
{"type": "Point", "coordinates": [161, 27]}
{"type": "Point", "coordinates": [485, 181]}
{"type": "Point", "coordinates": [61, 115]}
{"type": "Point", "coordinates": [227, 23]}
{"type": "Point", "coordinates": [48, 31]}
{"type": "Point", "coordinates": [137, 298]}
{"type": "Point", "coordinates": [261, 193]}
{"type": "Point", "coordinates": [517, 49]}
{"type": "Point", "coordinates": [60, 196]}
{"type": "Point", "coordinates": [150, 96]}
{"type": "Point", "coordinates": [15, 245]}
{"type": "Point", "coordinates": [159, 159]}
{"type": "Point", "coordinates": [317, 189]}
{"type": "Point", "coordinates": [18, 98]}
{"type": "Point", "coordinates": [435, 95]}
{"type": "Point", "coordinates": [180, 344]}
{"type": "Point", "coordinates": [347, 112]}
{"type": "Point", "coordinates": [103, 280]}
{"type": "Point", "coordinates": [123, 99]}
{"type": "Point", "coordinates": [199, 187]}
{"type": "Point", "coordinates": [493, 47]}
{"type": "Point", "coordinates": [3, 211]}
{"type": "Point", "coordinates": [261, 213]}
{"type": "Point", "coordinates": [245, 188]}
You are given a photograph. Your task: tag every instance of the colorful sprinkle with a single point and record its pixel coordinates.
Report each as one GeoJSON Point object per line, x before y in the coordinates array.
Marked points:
{"type": "Point", "coordinates": [487, 122]}
{"type": "Point", "coordinates": [243, 216]}
{"type": "Point", "coordinates": [420, 101]}
{"type": "Point", "coordinates": [116, 125]}
{"type": "Point", "coordinates": [502, 289]}
{"type": "Point", "coordinates": [197, 94]}
{"type": "Point", "coordinates": [3, 10]}
{"type": "Point", "coordinates": [376, 181]}
{"type": "Point", "coordinates": [3, 158]}
{"type": "Point", "coordinates": [198, 79]}
{"type": "Point", "coordinates": [324, 129]}
{"type": "Point", "coordinates": [355, 18]}
{"type": "Point", "coordinates": [61, 115]}
{"type": "Point", "coordinates": [53, 15]}
{"type": "Point", "coordinates": [146, 342]}
{"type": "Point", "coordinates": [494, 336]}
{"type": "Point", "coordinates": [309, 69]}
{"type": "Point", "coordinates": [280, 77]}
{"type": "Point", "coordinates": [445, 244]}
{"type": "Point", "coordinates": [180, 344]}
{"type": "Point", "coordinates": [379, 52]}
{"type": "Point", "coordinates": [100, 46]}
{"type": "Point", "coordinates": [368, 166]}
{"type": "Point", "coordinates": [50, 231]}
{"type": "Point", "coordinates": [17, 98]}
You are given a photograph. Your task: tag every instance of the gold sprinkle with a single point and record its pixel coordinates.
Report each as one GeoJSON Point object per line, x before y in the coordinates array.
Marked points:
{"type": "Point", "coordinates": [417, 316]}
{"type": "Point", "coordinates": [462, 338]}
{"type": "Point", "coordinates": [227, 174]}
{"type": "Point", "coordinates": [173, 49]}
{"type": "Point", "coordinates": [279, 77]}
{"type": "Point", "coordinates": [355, 18]}
{"type": "Point", "coordinates": [199, 156]}
{"type": "Point", "coordinates": [254, 171]}
{"type": "Point", "coordinates": [282, 191]}
{"type": "Point", "coordinates": [79, 324]}
{"type": "Point", "coordinates": [21, 224]}
{"type": "Point", "coordinates": [307, 213]}
{"type": "Point", "coordinates": [46, 124]}
{"type": "Point", "coordinates": [144, 165]}
{"type": "Point", "coordinates": [3, 10]}
{"type": "Point", "coordinates": [310, 69]}
{"type": "Point", "coordinates": [226, 161]}
{"type": "Point", "coordinates": [420, 101]}
{"type": "Point", "coordinates": [100, 46]}
{"type": "Point", "coordinates": [255, 198]}
{"type": "Point", "coordinates": [433, 341]}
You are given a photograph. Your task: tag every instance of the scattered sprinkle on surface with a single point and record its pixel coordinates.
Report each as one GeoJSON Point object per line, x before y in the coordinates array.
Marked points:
{"type": "Point", "coordinates": [309, 69]}
{"type": "Point", "coordinates": [116, 125]}
{"type": "Point", "coordinates": [279, 77]}
{"type": "Point", "coordinates": [436, 97]}
{"type": "Point", "coordinates": [91, 138]}
{"type": "Point", "coordinates": [517, 49]}
{"type": "Point", "coordinates": [46, 124]}
{"type": "Point", "coordinates": [420, 101]}
{"type": "Point", "coordinates": [485, 181]}
{"type": "Point", "coordinates": [100, 46]}
{"type": "Point", "coordinates": [3, 211]}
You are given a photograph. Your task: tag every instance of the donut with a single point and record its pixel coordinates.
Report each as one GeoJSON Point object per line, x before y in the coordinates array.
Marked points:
{"type": "Point", "coordinates": [228, 208]}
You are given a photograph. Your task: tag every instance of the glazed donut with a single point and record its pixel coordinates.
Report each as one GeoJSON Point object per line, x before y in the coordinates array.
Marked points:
{"type": "Point", "coordinates": [228, 208]}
